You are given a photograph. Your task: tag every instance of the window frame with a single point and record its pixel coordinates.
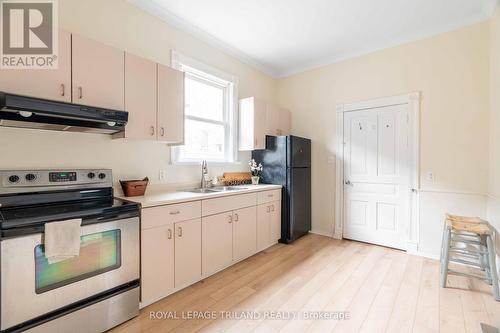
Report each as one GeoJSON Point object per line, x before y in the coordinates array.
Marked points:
{"type": "Point", "coordinates": [203, 73]}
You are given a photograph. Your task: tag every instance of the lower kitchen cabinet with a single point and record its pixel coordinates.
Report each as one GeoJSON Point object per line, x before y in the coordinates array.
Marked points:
{"type": "Point", "coordinates": [187, 252]}
{"type": "Point", "coordinates": [157, 264]}
{"type": "Point", "coordinates": [268, 224]}
{"type": "Point", "coordinates": [217, 242]}
{"type": "Point", "coordinates": [244, 232]}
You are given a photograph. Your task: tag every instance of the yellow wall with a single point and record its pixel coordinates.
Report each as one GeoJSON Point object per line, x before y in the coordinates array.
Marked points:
{"type": "Point", "coordinates": [451, 70]}
{"type": "Point", "coordinates": [119, 24]}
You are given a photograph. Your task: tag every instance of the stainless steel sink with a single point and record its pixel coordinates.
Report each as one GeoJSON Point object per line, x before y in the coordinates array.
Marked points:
{"type": "Point", "coordinates": [215, 189]}
{"type": "Point", "coordinates": [201, 190]}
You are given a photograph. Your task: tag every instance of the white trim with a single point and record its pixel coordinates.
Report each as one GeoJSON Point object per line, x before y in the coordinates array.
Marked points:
{"type": "Point", "coordinates": [179, 60]}
{"type": "Point", "coordinates": [160, 12]}
{"type": "Point", "coordinates": [413, 101]}
{"type": "Point", "coordinates": [321, 233]}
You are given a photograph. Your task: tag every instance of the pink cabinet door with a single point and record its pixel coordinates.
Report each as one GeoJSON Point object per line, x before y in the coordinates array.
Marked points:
{"type": "Point", "coordinates": [272, 116]}
{"type": "Point", "coordinates": [54, 84]}
{"type": "Point", "coordinates": [275, 221]}
{"type": "Point", "coordinates": [187, 252]}
{"type": "Point", "coordinates": [244, 232]}
{"type": "Point", "coordinates": [217, 242]}
{"type": "Point", "coordinates": [263, 226]}
{"type": "Point", "coordinates": [252, 124]}
{"type": "Point", "coordinates": [170, 105]}
{"type": "Point", "coordinates": [98, 74]}
{"type": "Point", "coordinates": [140, 97]}
{"type": "Point", "coordinates": [157, 263]}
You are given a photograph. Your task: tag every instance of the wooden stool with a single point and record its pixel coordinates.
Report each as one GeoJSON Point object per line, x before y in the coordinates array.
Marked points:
{"type": "Point", "coordinates": [470, 238]}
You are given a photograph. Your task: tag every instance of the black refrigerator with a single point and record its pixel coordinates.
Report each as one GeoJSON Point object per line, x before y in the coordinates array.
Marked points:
{"type": "Point", "coordinates": [287, 162]}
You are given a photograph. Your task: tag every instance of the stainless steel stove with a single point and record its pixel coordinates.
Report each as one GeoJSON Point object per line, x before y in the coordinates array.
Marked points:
{"type": "Point", "coordinates": [93, 292]}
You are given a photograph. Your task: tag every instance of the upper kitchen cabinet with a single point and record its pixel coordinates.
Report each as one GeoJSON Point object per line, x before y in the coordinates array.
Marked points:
{"type": "Point", "coordinates": [170, 105]}
{"type": "Point", "coordinates": [98, 74]}
{"type": "Point", "coordinates": [252, 129]}
{"type": "Point", "coordinates": [278, 120]}
{"type": "Point", "coordinates": [54, 84]}
{"type": "Point", "coordinates": [140, 98]}
{"type": "Point", "coordinates": [258, 119]}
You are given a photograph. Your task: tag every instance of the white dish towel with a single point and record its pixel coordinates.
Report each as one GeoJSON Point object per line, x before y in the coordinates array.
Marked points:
{"type": "Point", "coordinates": [62, 240]}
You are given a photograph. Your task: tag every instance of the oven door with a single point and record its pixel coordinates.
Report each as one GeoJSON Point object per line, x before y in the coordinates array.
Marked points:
{"type": "Point", "coordinates": [31, 287]}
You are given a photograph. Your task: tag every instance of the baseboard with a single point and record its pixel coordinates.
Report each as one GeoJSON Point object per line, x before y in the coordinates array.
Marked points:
{"type": "Point", "coordinates": [321, 233]}
{"type": "Point", "coordinates": [412, 248]}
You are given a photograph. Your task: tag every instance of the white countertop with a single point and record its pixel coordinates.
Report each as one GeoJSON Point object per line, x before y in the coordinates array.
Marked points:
{"type": "Point", "coordinates": [159, 198]}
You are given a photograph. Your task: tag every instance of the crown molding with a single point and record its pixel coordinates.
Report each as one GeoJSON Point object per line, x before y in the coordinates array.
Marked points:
{"type": "Point", "coordinates": [160, 12]}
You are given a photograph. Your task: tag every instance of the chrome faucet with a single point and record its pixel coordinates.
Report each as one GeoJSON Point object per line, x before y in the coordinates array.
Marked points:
{"type": "Point", "coordinates": [204, 173]}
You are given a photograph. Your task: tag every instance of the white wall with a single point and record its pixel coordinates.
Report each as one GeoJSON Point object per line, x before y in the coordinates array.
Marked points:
{"type": "Point", "coordinates": [119, 24]}
{"type": "Point", "coordinates": [451, 71]}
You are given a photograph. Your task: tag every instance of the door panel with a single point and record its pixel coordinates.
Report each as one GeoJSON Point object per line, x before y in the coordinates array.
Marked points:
{"type": "Point", "coordinates": [170, 105]}
{"type": "Point", "coordinates": [157, 263]}
{"type": "Point", "coordinates": [98, 74]}
{"type": "Point", "coordinates": [300, 202]}
{"type": "Point", "coordinates": [376, 175]}
{"type": "Point", "coordinates": [275, 221]}
{"type": "Point", "coordinates": [217, 244]}
{"type": "Point", "coordinates": [50, 84]}
{"type": "Point", "coordinates": [263, 226]}
{"type": "Point", "coordinates": [299, 152]}
{"type": "Point", "coordinates": [140, 97]}
{"type": "Point", "coordinates": [244, 232]}
{"type": "Point", "coordinates": [187, 252]}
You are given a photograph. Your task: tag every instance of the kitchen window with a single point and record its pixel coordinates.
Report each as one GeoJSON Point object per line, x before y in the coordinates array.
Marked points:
{"type": "Point", "coordinates": [210, 113]}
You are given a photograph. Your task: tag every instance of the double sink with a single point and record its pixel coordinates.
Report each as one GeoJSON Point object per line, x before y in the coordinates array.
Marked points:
{"type": "Point", "coordinates": [216, 189]}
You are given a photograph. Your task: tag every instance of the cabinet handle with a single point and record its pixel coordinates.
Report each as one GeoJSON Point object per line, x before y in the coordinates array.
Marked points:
{"type": "Point", "coordinates": [230, 219]}
{"type": "Point", "coordinates": [152, 130]}
{"type": "Point", "coordinates": [270, 195]}
{"type": "Point", "coordinates": [175, 212]}
{"type": "Point", "coordinates": [268, 209]}
{"type": "Point", "coordinates": [272, 208]}
{"type": "Point", "coordinates": [236, 217]}
{"type": "Point", "coordinates": [80, 92]}
{"type": "Point", "coordinates": [169, 233]}
{"type": "Point", "coordinates": [162, 132]}
{"type": "Point", "coordinates": [179, 232]}
{"type": "Point", "coordinates": [63, 90]}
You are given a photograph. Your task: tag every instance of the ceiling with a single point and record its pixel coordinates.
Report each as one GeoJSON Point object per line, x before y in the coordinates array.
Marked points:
{"type": "Point", "coordinates": [284, 37]}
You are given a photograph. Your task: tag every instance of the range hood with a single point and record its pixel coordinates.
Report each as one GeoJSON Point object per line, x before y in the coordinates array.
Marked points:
{"type": "Point", "coordinates": [29, 112]}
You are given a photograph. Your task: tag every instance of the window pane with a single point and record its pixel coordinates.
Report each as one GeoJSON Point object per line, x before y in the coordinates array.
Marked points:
{"type": "Point", "coordinates": [203, 141]}
{"type": "Point", "coordinates": [99, 253]}
{"type": "Point", "coordinates": [204, 100]}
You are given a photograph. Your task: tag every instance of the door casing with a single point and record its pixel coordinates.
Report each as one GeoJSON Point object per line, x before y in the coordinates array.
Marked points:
{"type": "Point", "coordinates": [412, 100]}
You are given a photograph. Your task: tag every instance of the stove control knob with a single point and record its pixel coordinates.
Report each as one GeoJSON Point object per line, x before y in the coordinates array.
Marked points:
{"type": "Point", "coordinates": [102, 175]}
{"type": "Point", "coordinates": [91, 175]}
{"type": "Point", "coordinates": [13, 179]}
{"type": "Point", "coordinates": [30, 177]}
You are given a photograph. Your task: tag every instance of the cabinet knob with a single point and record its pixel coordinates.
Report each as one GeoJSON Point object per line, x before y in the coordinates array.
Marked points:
{"type": "Point", "coordinates": [179, 231]}
{"type": "Point", "coordinates": [80, 92]}
{"type": "Point", "coordinates": [169, 233]}
{"type": "Point", "coordinates": [152, 130]}
{"type": "Point", "coordinates": [236, 217]}
{"type": "Point", "coordinates": [162, 131]}
{"type": "Point", "coordinates": [63, 89]}
{"type": "Point", "coordinates": [229, 219]}
{"type": "Point", "coordinates": [268, 209]}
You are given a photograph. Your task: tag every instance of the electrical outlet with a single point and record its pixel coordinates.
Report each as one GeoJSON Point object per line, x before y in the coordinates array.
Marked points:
{"type": "Point", "coordinates": [163, 174]}
{"type": "Point", "coordinates": [430, 176]}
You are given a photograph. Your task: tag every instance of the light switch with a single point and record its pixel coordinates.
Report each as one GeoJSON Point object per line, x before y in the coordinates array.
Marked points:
{"type": "Point", "coordinates": [163, 175]}
{"type": "Point", "coordinates": [430, 176]}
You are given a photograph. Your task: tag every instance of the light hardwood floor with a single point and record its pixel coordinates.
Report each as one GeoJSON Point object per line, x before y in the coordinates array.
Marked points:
{"type": "Point", "coordinates": [383, 290]}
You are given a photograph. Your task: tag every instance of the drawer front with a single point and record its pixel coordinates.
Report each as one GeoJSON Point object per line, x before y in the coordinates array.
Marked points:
{"type": "Point", "coordinates": [225, 204]}
{"type": "Point", "coordinates": [162, 215]}
{"type": "Point", "coordinates": [268, 196]}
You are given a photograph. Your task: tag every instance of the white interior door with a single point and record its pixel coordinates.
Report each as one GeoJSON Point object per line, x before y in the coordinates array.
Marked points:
{"type": "Point", "coordinates": [377, 175]}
